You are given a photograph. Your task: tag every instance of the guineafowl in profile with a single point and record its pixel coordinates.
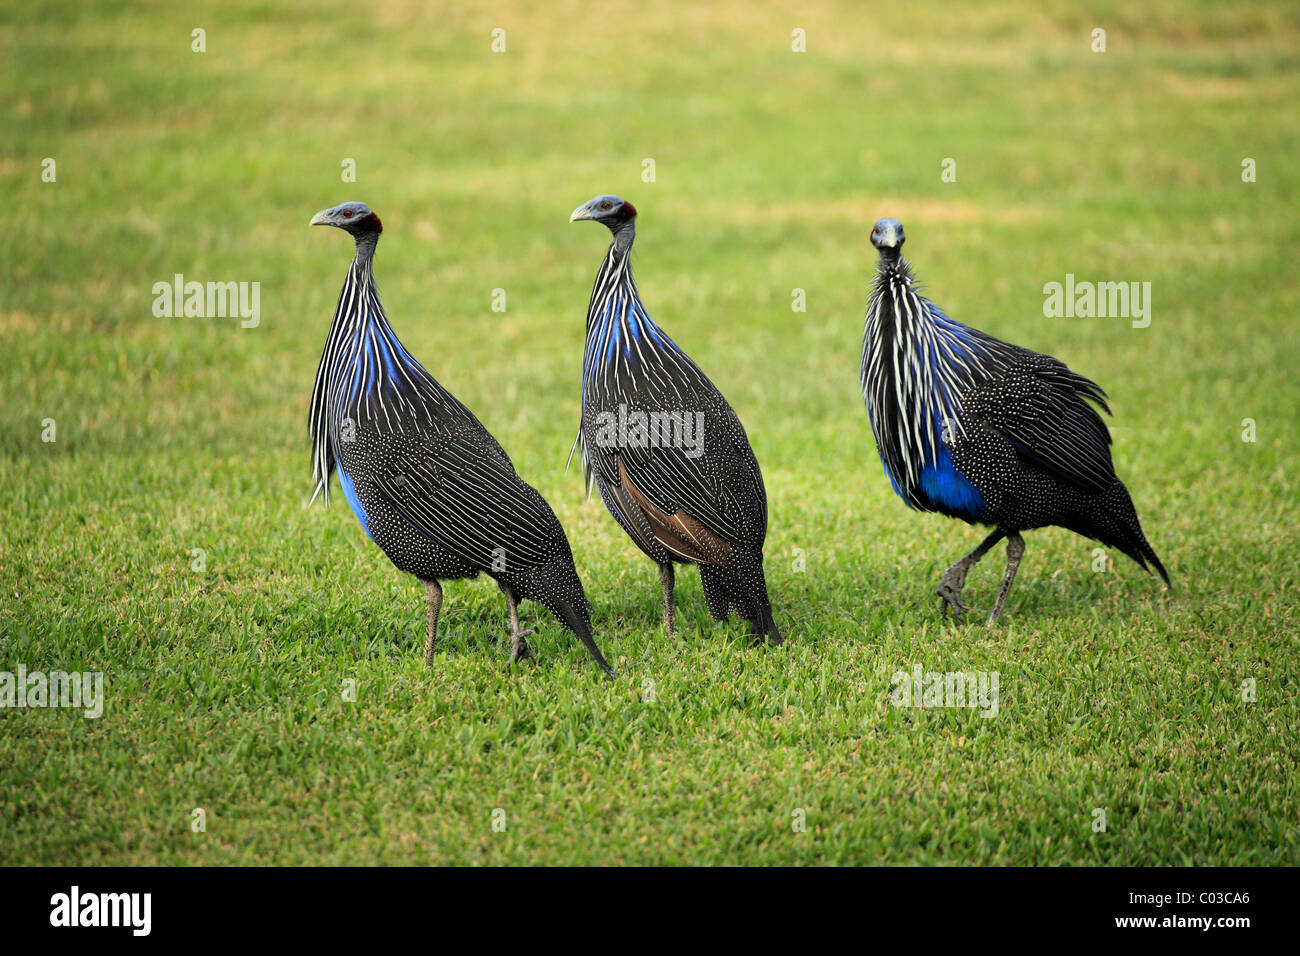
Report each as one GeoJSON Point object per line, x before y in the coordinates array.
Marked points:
{"type": "Point", "coordinates": [427, 481]}
{"type": "Point", "coordinates": [669, 456]}
{"type": "Point", "coordinates": [985, 431]}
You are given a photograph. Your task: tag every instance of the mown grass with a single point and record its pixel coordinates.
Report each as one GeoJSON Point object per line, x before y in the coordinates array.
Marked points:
{"type": "Point", "coordinates": [224, 688]}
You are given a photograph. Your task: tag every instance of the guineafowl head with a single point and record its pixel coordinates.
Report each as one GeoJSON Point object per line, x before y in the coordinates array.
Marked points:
{"type": "Point", "coordinates": [353, 217]}
{"type": "Point", "coordinates": [887, 236]}
{"type": "Point", "coordinates": [609, 210]}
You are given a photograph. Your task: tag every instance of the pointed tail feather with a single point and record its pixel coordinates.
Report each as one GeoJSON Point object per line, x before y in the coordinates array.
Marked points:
{"type": "Point", "coordinates": [1133, 542]}
{"type": "Point", "coordinates": [577, 621]}
{"type": "Point", "coordinates": [770, 628]}
{"type": "Point", "coordinates": [1116, 523]}
{"type": "Point", "coordinates": [1148, 554]}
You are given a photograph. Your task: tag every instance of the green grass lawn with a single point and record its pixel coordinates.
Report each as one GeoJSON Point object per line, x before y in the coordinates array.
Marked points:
{"type": "Point", "coordinates": [224, 687]}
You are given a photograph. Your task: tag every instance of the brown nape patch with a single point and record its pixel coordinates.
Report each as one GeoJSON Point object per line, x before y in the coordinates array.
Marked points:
{"type": "Point", "coordinates": [628, 211]}
{"type": "Point", "coordinates": [373, 221]}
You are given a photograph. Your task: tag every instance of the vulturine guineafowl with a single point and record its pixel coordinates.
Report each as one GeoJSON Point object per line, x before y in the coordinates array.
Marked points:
{"type": "Point", "coordinates": [985, 431]}
{"type": "Point", "coordinates": [428, 482]}
{"type": "Point", "coordinates": [669, 456]}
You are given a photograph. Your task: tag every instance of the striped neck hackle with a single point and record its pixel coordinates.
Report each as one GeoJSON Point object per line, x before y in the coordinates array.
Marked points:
{"type": "Point", "coordinates": [916, 364]}
{"type": "Point", "coordinates": [365, 373]}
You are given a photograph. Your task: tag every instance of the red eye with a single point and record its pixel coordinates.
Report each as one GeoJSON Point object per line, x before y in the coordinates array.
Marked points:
{"type": "Point", "coordinates": [347, 214]}
{"type": "Point", "coordinates": [604, 205]}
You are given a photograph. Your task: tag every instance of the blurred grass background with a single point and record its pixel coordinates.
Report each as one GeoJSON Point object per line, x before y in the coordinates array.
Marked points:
{"type": "Point", "coordinates": [174, 434]}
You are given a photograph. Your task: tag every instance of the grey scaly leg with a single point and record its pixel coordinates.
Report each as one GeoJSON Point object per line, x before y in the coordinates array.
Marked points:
{"type": "Point", "coordinates": [666, 578]}
{"type": "Point", "coordinates": [1015, 548]}
{"type": "Point", "coordinates": [433, 594]}
{"type": "Point", "coordinates": [518, 646]}
{"type": "Point", "coordinates": [954, 579]}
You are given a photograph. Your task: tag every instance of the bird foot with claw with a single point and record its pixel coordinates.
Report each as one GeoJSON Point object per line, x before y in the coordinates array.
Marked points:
{"type": "Point", "coordinates": [949, 591]}
{"type": "Point", "coordinates": [519, 651]}
{"type": "Point", "coordinates": [524, 655]}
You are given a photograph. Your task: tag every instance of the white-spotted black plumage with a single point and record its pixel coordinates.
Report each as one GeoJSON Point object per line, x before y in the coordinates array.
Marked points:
{"type": "Point", "coordinates": [428, 482]}
{"type": "Point", "coordinates": [983, 430]}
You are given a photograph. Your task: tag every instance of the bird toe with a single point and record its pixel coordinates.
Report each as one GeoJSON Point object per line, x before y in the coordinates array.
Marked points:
{"type": "Point", "coordinates": [950, 598]}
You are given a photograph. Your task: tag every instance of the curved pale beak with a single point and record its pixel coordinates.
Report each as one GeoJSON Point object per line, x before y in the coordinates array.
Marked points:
{"type": "Point", "coordinates": [321, 218]}
{"type": "Point", "coordinates": [582, 212]}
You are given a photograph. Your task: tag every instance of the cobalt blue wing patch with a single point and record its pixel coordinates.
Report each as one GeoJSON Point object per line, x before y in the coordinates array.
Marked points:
{"type": "Point", "coordinates": [948, 490]}
{"type": "Point", "coordinates": [350, 493]}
